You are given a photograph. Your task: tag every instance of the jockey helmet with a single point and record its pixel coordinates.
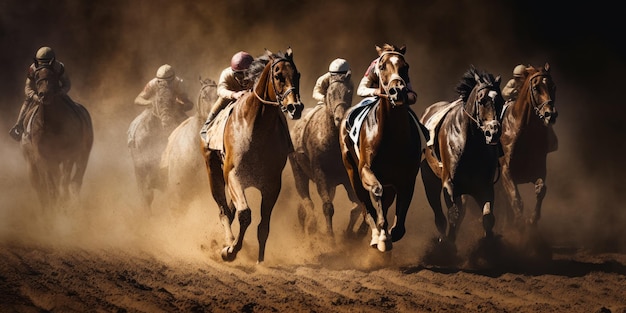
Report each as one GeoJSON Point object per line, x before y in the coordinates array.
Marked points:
{"type": "Point", "coordinates": [339, 66]}
{"type": "Point", "coordinates": [165, 72]}
{"type": "Point", "coordinates": [519, 70]}
{"type": "Point", "coordinates": [241, 61]}
{"type": "Point", "coordinates": [45, 54]}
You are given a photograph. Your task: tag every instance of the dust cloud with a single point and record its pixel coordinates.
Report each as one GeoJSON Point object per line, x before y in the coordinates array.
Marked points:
{"type": "Point", "coordinates": [112, 48]}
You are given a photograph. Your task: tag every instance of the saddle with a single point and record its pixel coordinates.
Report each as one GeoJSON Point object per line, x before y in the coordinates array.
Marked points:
{"type": "Point", "coordinates": [212, 134]}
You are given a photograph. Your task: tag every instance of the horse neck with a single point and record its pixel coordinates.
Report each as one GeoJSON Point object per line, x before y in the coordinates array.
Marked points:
{"type": "Point", "coordinates": [390, 117]}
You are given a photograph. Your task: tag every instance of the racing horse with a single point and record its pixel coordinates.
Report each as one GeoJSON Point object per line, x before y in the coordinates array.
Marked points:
{"type": "Point", "coordinates": [527, 139]}
{"type": "Point", "coordinates": [181, 159]}
{"type": "Point", "coordinates": [461, 158]}
{"type": "Point", "coordinates": [256, 144]}
{"type": "Point", "coordinates": [147, 139]}
{"type": "Point", "coordinates": [382, 155]}
{"type": "Point", "coordinates": [57, 141]}
{"type": "Point", "coordinates": [317, 155]}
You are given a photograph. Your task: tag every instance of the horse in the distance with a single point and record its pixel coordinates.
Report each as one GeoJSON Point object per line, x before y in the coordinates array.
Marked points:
{"type": "Point", "coordinates": [147, 139]}
{"type": "Point", "coordinates": [56, 142]}
{"type": "Point", "coordinates": [527, 139]}
{"type": "Point", "coordinates": [317, 156]}
{"type": "Point", "coordinates": [382, 154]}
{"type": "Point", "coordinates": [461, 157]}
{"type": "Point", "coordinates": [254, 147]}
{"type": "Point", "coordinates": [181, 159]}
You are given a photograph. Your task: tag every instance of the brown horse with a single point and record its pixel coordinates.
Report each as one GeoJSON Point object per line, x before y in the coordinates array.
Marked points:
{"type": "Point", "coordinates": [462, 156]}
{"type": "Point", "coordinates": [382, 160]}
{"type": "Point", "coordinates": [180, 160]}
{"type": "Point", "coordinates": [256, 144]}
{"type": "Point", "coordinates": [317, 155]}
{"type": "Point", "coordinates": [56, 142]}
{"type": "Point", "coordinates": [527, 139]}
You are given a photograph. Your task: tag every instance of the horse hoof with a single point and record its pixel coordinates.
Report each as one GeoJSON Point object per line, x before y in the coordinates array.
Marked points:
{"type": "Point", "coordinates": [397, 233]}
{"type": "Point", "coordinates": [227, 254]}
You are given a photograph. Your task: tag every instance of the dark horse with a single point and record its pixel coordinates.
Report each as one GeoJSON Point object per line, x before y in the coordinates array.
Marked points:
{"type": "Point", "coordinates": [180, 160]}
{"type": "Point", "coordinates": [57, 141]}
{"type": "Point", "coordinates": [256, 144]}
{"type": "Point", "coordinates": [317, 155]}
{"type": "Point", "coordinates": [527, 139]}
{"type": "Point", "coordinates": [382, 161]}
{"type": "Point", "coordinates": [462, 156]}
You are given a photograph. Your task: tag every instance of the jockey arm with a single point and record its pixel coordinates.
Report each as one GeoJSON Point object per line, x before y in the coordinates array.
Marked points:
{"type": "Point", "coordinates": [321, 86]}
{"type": "Point", "coordinates": [144, 97]}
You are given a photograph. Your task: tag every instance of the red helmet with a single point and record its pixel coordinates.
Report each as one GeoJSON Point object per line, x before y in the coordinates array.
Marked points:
{"type": "Point", "coordinates": [241, 61]}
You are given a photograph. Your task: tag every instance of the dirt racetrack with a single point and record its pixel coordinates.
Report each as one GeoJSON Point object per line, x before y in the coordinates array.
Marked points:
{"type": "Point", "coordinates": [110, 255]}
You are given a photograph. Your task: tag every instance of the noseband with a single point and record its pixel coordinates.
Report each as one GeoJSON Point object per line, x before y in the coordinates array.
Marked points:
{"type": "Point", "coordinates": [537, 106]}
{"type": "Point", "coordinates": [279, 97]}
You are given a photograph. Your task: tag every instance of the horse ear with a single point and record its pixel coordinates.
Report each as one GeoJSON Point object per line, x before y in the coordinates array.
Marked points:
{"type": "Point", "coordinates": [403, 49]}
{"type": "Point", "coordinates": [379, 49]}
{"type": "Point", "coordinates": [289, 53]}
{"type": "Point", "coordinates": [498, 80]}
{"type": "Point", "coordinates": [267, 52]}
{"type": "Point", "coordinates": [476, 77]}
{"type": "Point", "coordinates": [547, 67]}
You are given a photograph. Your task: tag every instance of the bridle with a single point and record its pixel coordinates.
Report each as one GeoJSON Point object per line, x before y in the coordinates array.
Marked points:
{"type": "Point", "coordinates": [280, 97]}
{"type": "Point", "coordinates": [477, 104]}
{"type": "Point", "coordinates": [395, 76]}
{"type": "Point", "coordinates": [537, 106]}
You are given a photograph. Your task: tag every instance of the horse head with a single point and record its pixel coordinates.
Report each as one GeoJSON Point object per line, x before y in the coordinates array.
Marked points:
{"type": "Point", "coordinates": [206, 97]}
{"type": "Point", "coordinates": [483, 102]}
{"type": "Point", "coordinates": [281, 84]}
{"type": "Point", "coordinates": [46, 81]}
{"type": "Point", "coordinates": [338, 96]}
{"type": "Point", "coordinates": [393, 73]}
{"type": "Point", "coordinates": [541, 91]}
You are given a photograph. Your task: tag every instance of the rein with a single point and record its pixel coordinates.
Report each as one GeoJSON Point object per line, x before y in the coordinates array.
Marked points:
{"type": "Point", "coordinates": [279, 97]}
{"type": "Point", "coordinates": [476, 104]}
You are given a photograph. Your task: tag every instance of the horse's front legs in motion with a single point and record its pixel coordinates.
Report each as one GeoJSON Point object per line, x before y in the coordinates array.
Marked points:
{"type": "Point", "coordinates": [540, 193]}
{"type": "Point", "coordinates": [376, 218]}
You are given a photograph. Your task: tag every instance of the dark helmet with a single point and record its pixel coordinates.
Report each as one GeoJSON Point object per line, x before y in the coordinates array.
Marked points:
{"type": "Point", "coordinates": [241, 61]}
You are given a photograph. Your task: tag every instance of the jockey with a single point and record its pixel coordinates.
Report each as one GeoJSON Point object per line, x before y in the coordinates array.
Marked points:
{"type": "Point", "coordinates": [337, 66]}
{"type": "Point", "coordinates": [370, 84]}
{"type": "Point", "coordinates": [45, 56]}
{"type": "Point", "coordinates": [511, 89]}
{"type": "Point", "coordinates": [165, 76]}
{"type": "Point", "coordinates": [232, 83]}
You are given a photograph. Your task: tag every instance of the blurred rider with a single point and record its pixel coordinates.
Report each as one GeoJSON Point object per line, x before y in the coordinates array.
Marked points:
{"type": "Point", "coordinates": [45, 56]}
{"type": "Point", "coordinates": [166, 78]}
{"type": "Point", "coordinates": [232, 83]}
{"type": "Point", "coordinates": [511, 89]}
{"type": "Point", "coordinates": [337, 67]}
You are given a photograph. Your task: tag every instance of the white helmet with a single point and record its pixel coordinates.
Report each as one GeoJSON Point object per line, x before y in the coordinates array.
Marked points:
{"type": "Point", "coordinates": [339, 66]}
{"type": "Point", "coordinates": [519, 70]}
{"type": "Point", "coordinates": [44, 54]}
{"type": "Point", "coordinates": [165, 72]}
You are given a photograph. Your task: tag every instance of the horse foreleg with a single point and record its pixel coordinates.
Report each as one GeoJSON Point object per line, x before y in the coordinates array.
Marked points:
{"type": "Point", "coordinates": [306, 216]}
{"type": "Point", "coordinates": [358, 210]}
{"type": "Point", "coordinates": [244, 216]}
{"type": "Point", "coordinates": [432, 188]}
{"type": "Point", "coordinates": [540, 193]}
{"type": "Point", "coordinates": [489, 219]}
{"type": "Point", "coordinates": [456, 213]}
{"type": "Point", "coordinates": [375, 189]}
{"type": "Point", "coordinates": [269, 194]}
{"type": "Point", "coordinates": [403, 201]}
{"type": "Point", "coordinates": [327, 193]}
{"type": "Point", "coordinates": [513, 196]}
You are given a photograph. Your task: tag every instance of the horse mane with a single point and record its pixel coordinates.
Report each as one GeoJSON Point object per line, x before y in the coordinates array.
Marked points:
{"type": "Point", "coordinates": [390, 47]}
{"type": "Point", "coordinates": [468, 82]}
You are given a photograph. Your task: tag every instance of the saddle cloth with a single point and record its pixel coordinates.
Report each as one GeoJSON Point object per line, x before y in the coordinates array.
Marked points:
{"type": "Point", "coordinates": [432, 122]}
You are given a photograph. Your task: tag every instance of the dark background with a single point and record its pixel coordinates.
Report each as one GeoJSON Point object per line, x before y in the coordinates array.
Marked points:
{"type": "Point", "coordinates": [112, 48]}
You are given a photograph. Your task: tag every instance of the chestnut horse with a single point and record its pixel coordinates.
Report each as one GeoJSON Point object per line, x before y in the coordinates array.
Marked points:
{"type": "Point", "coordinates": [383, 161]}
{"type": "Point", "coordinates": [180, 160]}
{"type": "Point", "coordinates": [462, 156]}
{"type": "Point", "coordinates": [317, 155]}
{"type": "Point", "coordinates": [527, 139]}
{"type": "Point", "coordinates": [56, 142]}
{"type": "Point", "coordinates": [256, 144]}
